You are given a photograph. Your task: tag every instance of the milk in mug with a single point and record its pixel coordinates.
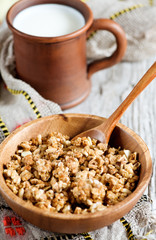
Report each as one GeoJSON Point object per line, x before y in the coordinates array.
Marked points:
{"type": "Point", "coordinates": [48, 20]}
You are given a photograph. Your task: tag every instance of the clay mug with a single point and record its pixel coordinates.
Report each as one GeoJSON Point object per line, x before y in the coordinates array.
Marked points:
{"type": "Point", "coordinates": [56, 66]}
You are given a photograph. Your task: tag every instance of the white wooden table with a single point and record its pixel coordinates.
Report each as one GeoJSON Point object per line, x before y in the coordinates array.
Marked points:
{"type": "Point", "coordinates": [109, 88]}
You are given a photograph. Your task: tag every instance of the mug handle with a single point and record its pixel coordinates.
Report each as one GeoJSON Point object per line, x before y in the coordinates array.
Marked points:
{"type": "Point", "coordinates": [118, 32]}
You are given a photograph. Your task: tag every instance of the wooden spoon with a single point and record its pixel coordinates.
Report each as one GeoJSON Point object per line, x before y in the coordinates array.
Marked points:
{"type": "Point", "coordinates": [104, 130]}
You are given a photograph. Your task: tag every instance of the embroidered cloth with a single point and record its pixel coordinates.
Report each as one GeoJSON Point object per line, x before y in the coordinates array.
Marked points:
{"type": "Point", "coordinates": [20, 103]}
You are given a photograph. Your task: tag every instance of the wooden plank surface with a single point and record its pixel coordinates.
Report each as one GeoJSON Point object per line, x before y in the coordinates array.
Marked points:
{"type": "Point", "coordinates": [109, 88]}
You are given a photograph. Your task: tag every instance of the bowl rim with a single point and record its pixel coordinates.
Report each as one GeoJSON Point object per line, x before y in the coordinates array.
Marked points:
{"type": "Point", "coordinates": [114, 208]}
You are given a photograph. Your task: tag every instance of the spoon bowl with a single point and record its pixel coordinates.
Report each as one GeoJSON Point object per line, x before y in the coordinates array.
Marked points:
{"type": "Point", "coordinates": [103, 132]}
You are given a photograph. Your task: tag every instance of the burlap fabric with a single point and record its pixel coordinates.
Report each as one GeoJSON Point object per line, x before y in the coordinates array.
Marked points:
{"type": "Point", "coordinates": [137, 18]}
{"type": "Point", "coordinates": [20, 103]}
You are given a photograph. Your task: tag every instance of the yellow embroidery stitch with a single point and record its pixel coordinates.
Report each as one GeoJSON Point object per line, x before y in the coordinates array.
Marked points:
{"type": "Point", "coordinates": [117, 14]}
{"type": "Point", "coordinates": [87, 236]}
{"type": "Point", "coordinates": [28, 98]}
{"type": "Point", "coordinates": [4, 128]}
{"type": "Point", "coordinates": [128, 229]}
{"type": "Point", "coordinates": [91, 35]}
{"type": "Point", "coordinates": [151, 2]}
{"type": "Point", "coordinates": [147, 235]}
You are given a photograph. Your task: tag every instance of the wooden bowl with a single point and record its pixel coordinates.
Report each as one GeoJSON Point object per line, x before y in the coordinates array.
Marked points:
{"type": "Point", "coordinates": [72, 124]}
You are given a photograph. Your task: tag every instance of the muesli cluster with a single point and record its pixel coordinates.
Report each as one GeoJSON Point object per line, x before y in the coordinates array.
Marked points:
{"type": "Point", "coordinates": [71, 176]}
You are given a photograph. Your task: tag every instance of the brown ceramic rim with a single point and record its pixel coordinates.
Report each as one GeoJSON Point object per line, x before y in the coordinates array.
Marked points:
{"type": "Point", "coordinates": [121, 205]}
{"type": "Point", "coordinates": [23, 4]}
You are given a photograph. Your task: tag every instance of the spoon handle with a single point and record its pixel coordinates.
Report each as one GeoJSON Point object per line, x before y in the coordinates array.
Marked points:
{"type": "Point", "coordinates": [111, 122]}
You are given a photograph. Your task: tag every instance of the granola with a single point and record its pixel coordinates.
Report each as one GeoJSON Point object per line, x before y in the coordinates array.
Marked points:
{"type": "Point", "coordinates": [71, 176]}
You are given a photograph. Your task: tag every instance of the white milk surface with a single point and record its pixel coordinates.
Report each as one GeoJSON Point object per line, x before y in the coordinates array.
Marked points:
{"type": "Point", "coordinates": [48, 20]}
